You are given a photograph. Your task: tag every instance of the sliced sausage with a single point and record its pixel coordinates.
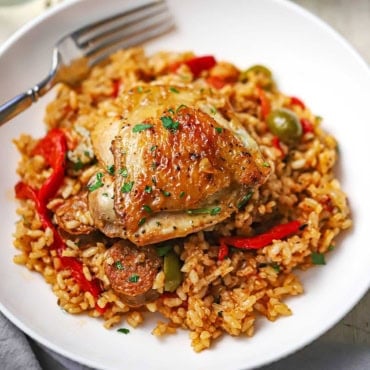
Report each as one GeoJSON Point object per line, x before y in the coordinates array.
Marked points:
{"type": "Point", "coordinates": [131, 272]}
{"type": "Point", "coordinates": [73, 215]}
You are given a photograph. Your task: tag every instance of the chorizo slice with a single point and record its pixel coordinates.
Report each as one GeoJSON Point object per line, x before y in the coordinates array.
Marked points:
{"type": "Point", "coordinates": [131, 272]}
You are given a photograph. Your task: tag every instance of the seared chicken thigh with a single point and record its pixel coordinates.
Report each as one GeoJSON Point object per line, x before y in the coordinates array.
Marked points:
{"type": "Point", "coordinates": [176, 166]}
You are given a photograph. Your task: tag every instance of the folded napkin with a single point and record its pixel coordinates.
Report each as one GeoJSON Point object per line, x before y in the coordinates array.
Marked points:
{"type": "Point", "coordinates": [18, 352]}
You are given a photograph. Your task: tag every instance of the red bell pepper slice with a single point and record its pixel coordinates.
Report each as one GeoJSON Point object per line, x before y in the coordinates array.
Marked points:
{"type": "Point", "coordinates": [295, 101]}
{"type": "Point", "coordinates": [53, 148]}
{"type": "Point", "coordinates": [265, 102]}
{"type": "Point", "coordinates": [306, 125]}
{"type": "Point", "coordinates": [258, 241]}
{"type": "Point", "coordinates": [196, 64]}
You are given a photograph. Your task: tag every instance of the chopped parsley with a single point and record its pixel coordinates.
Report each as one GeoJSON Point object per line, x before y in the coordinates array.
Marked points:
{"type": "Point", "coordinates": [245, 200]}
{"type": "Point", "coordinates": [123, 172]}
{"type": "Point", "coordinates": [203, 211]}
{"type": "Point", "coordinates": [276, 267]}
{"type": "Point", "coordinates": [123, 330]}
{"type": "Point", "coordinates": [182, 194]}
{"type": "Point", "coordinates": [118, 265]}
{"type": "Point", "coordinates": [134, 278]}
{"type": "Point", "coordinates": [166, 193]}
{"type": "Point", "coordinates": [148, 189]}
{"type": "Point", "coordinates": [174, 90]}
{"type": "Point", "coordinates": [127, 187]}
{"type": "Point", "coordinates": [141, 127]}
{"type": "Point", "coordinates": [147, 208]}
{"type": "Point", "coordinates": [98, 183]}
{"type": "Point", "coordinates": [169, 123]}
{"type": "Point", "coordinates": [219, 129]}
{"type": "Point", "coordinates": [153, 148]}
{"type": "Point", "coordinates": [162, 250]}
{"type": "Point", "coordinates": [139, 89]}
{"type": "Point", "coordinates": [318, 258]}
{"type": "Point", "coordinates": [213, 110]}
{"type": "Point", "coordinates": [78, 165]}
{"type": "Point", "coordinates": [111, 169]}
{"type": "Point", "coordinates": [266, 164]}
{"type": "Point", "coordinates": [105, 195]}
{"type": "Point", "coordinates": [142, 221]}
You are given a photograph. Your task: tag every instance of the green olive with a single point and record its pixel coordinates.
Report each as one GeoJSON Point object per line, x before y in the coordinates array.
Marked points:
{"type": "Point", "coordinates": [285, 125]}
{"type": "Point", "coordinates": [256, 69]}
{"type": "Point", "coordinates": [172, 271]}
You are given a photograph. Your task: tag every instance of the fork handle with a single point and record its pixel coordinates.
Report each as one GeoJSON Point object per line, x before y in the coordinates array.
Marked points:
{"type": "Point", "coordinates": [18, 104]}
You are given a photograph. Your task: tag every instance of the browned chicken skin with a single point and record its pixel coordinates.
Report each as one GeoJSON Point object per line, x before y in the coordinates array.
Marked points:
{"type": "Point", "coordinates": [177, 169]}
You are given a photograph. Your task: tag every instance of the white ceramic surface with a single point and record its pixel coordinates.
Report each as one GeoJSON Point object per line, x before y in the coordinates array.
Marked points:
{"type": "Point", "coordinates": [309, 60]}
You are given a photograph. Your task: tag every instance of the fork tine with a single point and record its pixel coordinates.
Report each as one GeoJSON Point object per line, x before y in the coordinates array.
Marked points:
{"type": "Point", "coordinates": [127, 31]}
{"type": "Point", "coordinates": [133, 39]}
{"type": "Point", "coordinates": [91, 32]}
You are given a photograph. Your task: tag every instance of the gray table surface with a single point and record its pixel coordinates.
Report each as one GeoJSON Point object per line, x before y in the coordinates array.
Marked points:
{"type": "Point", "coordinates": [351, 18]}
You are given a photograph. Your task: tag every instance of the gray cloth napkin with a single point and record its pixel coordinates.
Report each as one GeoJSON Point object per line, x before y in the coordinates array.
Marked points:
{"type": "Point", "coordinates": [17, 351]}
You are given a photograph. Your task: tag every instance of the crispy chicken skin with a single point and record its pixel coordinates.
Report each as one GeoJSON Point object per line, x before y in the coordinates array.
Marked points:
{"type": "Point", "coordinates": [179, 166]}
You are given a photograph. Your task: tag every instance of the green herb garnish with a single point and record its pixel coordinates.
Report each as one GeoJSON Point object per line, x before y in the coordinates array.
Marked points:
{"type": "Point", "coordinates": [98, 182]}
{"type": "Point", "coordinates": [180, 107]}
{"type": "Point", "coordinates": [166, 193]}
{"type": "Point", "coordinates": [111, 169]}
{"type": "Point", "coordinates": [127, 187]}
{"type": "Point", "coordinates": [318, 258]}
{"type": "Point", "coordinates": [219, 129]}
{"type": "Point", "coordinates": [123, 330]}
{"type": "Point", "coordinates": [142, 221]}
{"type": "Point", "coordinates": [139, 89]}
{"type": "Point", "coordinates": [169, 123]}
{"type": "Point", "coordinates": [203, 211]}
{"type": "Point", "coordinates": [147, 208]}
{"type": "Point", "coordinates": [123, 172]}
{"type": "Point", "coordinates": [148, 189]}
{"type": "Point", "coordinates": [78, 165]}
{"type": "Point", "coordinates": [118, 265]}
{"type": "Point", "coordinates": [245, 200]}
{"type": "Point", "coordinates": [134, 278]}
{"type": "Point", "coordinates": [182, 194]}
{"type": "Point", "coordinates": [141, 127]}
{"type": "Point", "coordinates": [174, 90]}
{"type": "Point", "coordinates": [153, 148]}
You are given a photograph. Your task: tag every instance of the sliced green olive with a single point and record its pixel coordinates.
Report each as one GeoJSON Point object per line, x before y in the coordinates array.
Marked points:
{"type": "Point", "coordinates": [255, 69]}
{"type": "Point", "coordinates": [285, 125]}
{"type": "Point", "coordinates": [172, 271]}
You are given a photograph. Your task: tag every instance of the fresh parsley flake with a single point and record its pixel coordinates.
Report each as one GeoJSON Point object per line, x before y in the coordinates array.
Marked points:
{"type": "Point", "coordinates": [111, 169]}
{"type": "Point", "coordinates": [148, 189]}
{"type": "Point", "coordinates": [318, 258]}
{"type": "Point", "coordinates": [245, 200]}
{"type": "Point", "coordinates": [127, 187]}
{"type": "Point", "coordinates": [166, 193]}
{"type": "Point", "coordinates": [134, 278]}
{"type": "Point", "coordinates": [276, 267]}
{"type": "Point", "coordinates": [169, 123]}
{"type": "Point", "coordinates": [78, 165]}
{"type": "Point", "coordinates": [97, 183]}
{"type": "Point", "coordinates": [139, 89]}
{"type": "Point", "coordinates": [141, 127]}
{"type": "Point", "coordinates": [213, 110]}
{"type": "Point", "coordinates": [182, 194]}
{"type": "Point", "coordinates": [146, 208]}
{"type": "Point", "coordinates": [174, 90]}
{"type": "Point", "coordinates": [219, 129]}
{"type": "Point", "coordinates": [266, 164]}
{"type": "Point", "coordinates": [118, 265]}
{"type": "Point", "coordinates": [142, 221]}
{"type": "Point", "coordinates": [201, 211]}
{"type": "Point", "coordinates": [153, 148]}
{"type": "Point", "coordinates": [123, 330]}
{"type": "Point", "coordinates": [123, 172]}
{"type": "Point", "coordinates": [105, 195]}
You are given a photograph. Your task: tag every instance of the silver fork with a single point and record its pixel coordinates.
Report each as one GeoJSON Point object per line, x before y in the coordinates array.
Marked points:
{"type": "Point", "coordinates": [75, 54]}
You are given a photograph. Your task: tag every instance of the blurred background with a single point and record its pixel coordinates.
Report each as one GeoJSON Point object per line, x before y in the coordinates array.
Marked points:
{"type": "Point", "coordinates": [351, 18]}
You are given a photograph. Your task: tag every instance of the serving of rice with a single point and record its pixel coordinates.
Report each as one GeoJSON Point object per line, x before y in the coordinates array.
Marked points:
{"type": "Point", "coordinates": [216, 296]}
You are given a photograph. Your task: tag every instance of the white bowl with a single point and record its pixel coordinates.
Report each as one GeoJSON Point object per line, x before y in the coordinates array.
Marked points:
{"type": "Point", "coordinates": [309, 60]}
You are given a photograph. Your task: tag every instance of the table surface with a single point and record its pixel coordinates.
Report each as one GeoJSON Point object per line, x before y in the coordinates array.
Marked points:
{"type": "Point", "coordinates": [352, 20]}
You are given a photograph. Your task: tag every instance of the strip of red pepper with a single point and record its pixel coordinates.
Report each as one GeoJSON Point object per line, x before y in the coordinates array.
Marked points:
{"type": "Point", "coordinates": [296, 101]}
{"type": "Point", "coordinates": [265, 103]}
{"type": "Point", "coordinates": [258, 241]}
{"type": "Point", "coordinates": [196, 64]}
{"type": "Point", "coordinates": [53, 148]}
